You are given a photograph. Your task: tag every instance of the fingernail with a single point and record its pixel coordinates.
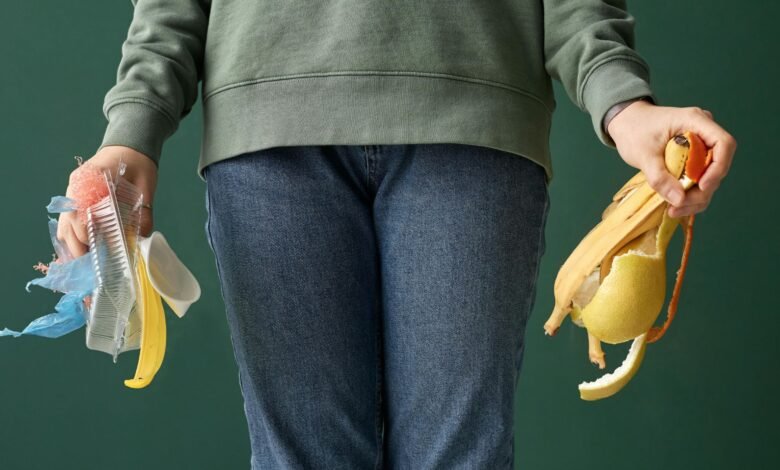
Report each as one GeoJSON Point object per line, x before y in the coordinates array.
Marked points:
{"type": "Point", "coordinates": [676, 197]}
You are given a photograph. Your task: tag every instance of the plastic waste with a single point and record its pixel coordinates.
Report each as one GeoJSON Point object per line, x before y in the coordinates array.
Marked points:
{"type": "Point", "coordinates": [117, 288]}
{"type": "Point", "coordinates": [168, 275]}
{"type": "Point", "coordinates": [73, 277]}
{"type": "Point", "coordinates": [113, 223]}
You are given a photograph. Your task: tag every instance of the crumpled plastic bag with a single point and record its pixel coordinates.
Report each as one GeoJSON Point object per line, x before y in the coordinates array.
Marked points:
{"type": "Point", "coordinates": [74, 277]}
{"type": "Point", "coordinates": [69, 276]}
{"type": "Point", "coordinates": [61, 204]}
{"type": "Point", "coordinates": [70, 315]}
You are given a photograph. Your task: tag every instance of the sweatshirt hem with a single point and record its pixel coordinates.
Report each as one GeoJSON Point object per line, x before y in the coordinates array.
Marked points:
{"type": "Point", "coordinates": [409, 73]}
{"type": "Point", "coordinates": [373, 109]}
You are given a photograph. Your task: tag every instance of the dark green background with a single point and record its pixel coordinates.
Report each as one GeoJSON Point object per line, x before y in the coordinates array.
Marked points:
{"type": "Point", "coordinates": [705, 397]}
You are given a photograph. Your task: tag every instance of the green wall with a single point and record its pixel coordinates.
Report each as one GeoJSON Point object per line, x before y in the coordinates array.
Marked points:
{"type": "Point", "coordinates": [704, 397]}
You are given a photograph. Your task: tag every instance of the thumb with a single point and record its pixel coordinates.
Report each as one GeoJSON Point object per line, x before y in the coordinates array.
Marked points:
{"type": "Point", "coordinates": [659, 178]}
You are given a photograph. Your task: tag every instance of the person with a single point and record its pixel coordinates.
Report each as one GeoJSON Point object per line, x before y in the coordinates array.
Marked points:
{"type": "Point", "coordinates": [377, 179]}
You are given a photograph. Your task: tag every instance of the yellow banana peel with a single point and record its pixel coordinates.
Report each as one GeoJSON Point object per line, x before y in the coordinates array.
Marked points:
{"type": "Point", "coordinates": [614, 282]}
{"type": "Point", "coordinates": [153, 333]}
{"type": "Point", "coordinates": [160, 275]}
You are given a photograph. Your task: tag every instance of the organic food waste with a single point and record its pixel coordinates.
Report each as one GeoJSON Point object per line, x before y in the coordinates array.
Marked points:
{"type": "Point", "coordinates": [614, 283]}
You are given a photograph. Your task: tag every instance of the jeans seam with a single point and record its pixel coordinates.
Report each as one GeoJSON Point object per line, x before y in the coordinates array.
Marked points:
{"type": "Point", "coordinates": [378, 415]}
{"type": "Point", "coordinates": [208, 216]}
{"type": "Point", "coordinates": [379, 369]}
{"type": "Point", "coordinates": [541, 248]}
{"type": "Point", "coordinates": [371, 163]}
{"type": "Point", "coordinates": [209, 209]}
{"type": "Point", "coordinates": [532, 298]}
{"type": "Point", "coordinates": [368, 166]}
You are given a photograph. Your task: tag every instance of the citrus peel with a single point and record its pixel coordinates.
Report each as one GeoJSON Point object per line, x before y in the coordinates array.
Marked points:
{"type": "Point", "coordinates": [611, 383]}
{"type": "Point", "coordinates": [614, 283]}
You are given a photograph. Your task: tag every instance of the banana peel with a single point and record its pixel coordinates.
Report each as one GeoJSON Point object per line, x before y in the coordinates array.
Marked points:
{"type": "Point", "coordinates": [153, 332]}
{"type": "Point", "coordinates": [614, 282]}
{"type": "Point", "coordinates": [161, 276]}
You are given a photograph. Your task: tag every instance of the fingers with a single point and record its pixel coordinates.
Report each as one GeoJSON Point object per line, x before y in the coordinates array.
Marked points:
{"type": "Point", "coordinates": [75, 246]}
{"type": "Point", "coordinates": [146, 222]}
{"type": "Point", "coordinates": [140, 171]}
{"type": "Point", "coordinates": [659, 178]}
{"type": "Point", "coordinates": [80, 230]}
{"type": "Point", "coordinates": [62, 224]}
{"type": "Point", "coordinates": [641, 146]}
{"type": "Point", "coordinates": [722, 155]}
{"type": "Point", "coordinates": [73, 234]}
{"type": "Point", "coordinates": [696, 200]}
{"type": "Point", "coordinates": [723, 145]}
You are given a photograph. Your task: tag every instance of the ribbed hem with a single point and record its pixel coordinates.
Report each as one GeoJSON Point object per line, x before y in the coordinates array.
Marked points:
{"type": "Point", "coordinates": [373, 110]}
{"type": "Point", "coordinates": [610, 83]}
{"type": "Point", "coordinates": [139, 126]}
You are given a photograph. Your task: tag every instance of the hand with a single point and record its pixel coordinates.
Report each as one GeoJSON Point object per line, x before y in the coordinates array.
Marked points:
{"type": "Point", "coordinates": [641, 132]}
{"type": "Point", "coordinates": [140, 170]}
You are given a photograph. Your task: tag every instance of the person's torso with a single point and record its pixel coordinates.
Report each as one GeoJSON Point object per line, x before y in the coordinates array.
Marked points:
{"type": "Point", "coordinates": [498, 41]}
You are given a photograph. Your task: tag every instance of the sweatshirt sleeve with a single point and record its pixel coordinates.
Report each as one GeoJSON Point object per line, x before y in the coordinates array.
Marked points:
{"type": "Point", "coordinates": [158, 75]}
{"type": "Point", "coordinates": [589, 48]}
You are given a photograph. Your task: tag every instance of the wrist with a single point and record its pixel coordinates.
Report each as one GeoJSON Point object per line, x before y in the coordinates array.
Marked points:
{"type": "Point", "coordinates": [616, 110]}
{"type": "Point", "coordinates": [620, 119]}
{"type": "Point", "coordinates": [113, 153]}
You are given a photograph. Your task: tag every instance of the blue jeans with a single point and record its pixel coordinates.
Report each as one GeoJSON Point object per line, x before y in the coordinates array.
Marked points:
{"type": "Point", "coordinates": [377, 298]}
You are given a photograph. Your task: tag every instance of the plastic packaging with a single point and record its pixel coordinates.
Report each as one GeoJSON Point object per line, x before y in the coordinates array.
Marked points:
{"type": "Point", "coordinates": [174, 282]}
{"type": "Point", "coordinates": [117, 288]}
{"type": "Point", "coordinates": [114, 325]}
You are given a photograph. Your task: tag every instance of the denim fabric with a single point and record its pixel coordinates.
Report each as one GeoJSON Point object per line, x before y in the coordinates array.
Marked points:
{"type": "Point", "coordinates": [377, 298]}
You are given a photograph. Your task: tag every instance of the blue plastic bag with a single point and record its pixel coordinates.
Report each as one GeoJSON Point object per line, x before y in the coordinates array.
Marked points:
{"type": "Point", "coordinates": [75, 278]}
{"type": "Point", "coordinates": [70, 315]}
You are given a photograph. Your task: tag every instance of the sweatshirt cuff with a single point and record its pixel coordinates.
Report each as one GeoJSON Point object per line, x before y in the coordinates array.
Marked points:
{"type": "Point", "coordinates": [138, 126]}
{"type": "Point", "coordinates": [610, 83]}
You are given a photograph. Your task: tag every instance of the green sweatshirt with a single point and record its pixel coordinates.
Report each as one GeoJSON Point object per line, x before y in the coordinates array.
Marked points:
{"type": "Point", "coordinates": [347, 72]}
